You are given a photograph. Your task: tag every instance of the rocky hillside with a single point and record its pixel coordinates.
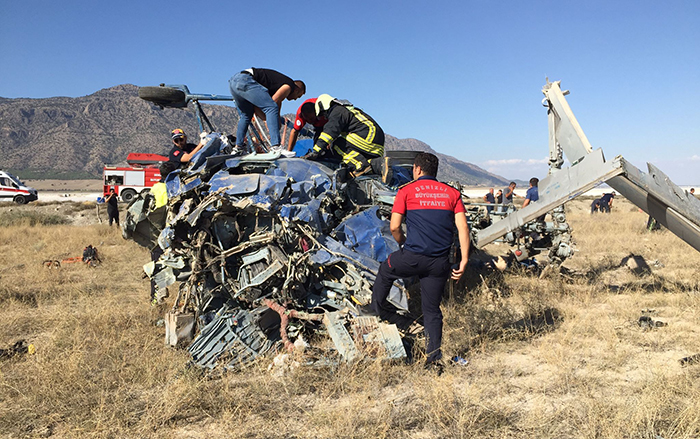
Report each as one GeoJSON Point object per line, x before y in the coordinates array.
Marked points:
{"type": "Point", "coordinates": [76, 136]}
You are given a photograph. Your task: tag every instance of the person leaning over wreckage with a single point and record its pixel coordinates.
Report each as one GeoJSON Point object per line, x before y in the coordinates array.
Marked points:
{"type": "Point", "coordinates": [432, 210]}
{"type": "Point", "coordinates": [182, 152]}
{"type": "Point", "coordinates": [261, 92]}
{"type": "Point", "coordinates": [306, 113]}
{"type": "Point", "coordinates": [606, 202]}
{"type": "Point", "coordinates": [351, 134]}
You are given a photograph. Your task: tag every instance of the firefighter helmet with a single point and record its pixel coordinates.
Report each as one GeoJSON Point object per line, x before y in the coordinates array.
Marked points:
{"type": "Point", "coordinates": [323, 103]}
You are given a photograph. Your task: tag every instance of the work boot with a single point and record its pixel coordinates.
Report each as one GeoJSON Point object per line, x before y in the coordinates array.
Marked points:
{"type": "Point", "coordinates": [367, 169]}
{"type": "Point", "coordinates": [387, 172]}
{"type": "Point", "coordinates": [435, 366]}
{"type": "Point", "coordinates": [382, 166]}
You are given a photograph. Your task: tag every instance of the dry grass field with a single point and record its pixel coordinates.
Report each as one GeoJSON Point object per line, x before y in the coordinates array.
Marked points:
{"type": "Point", "coordinates": [558, 357]}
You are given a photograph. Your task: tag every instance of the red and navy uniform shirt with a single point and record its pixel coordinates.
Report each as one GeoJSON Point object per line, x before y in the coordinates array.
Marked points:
{"type": "Point", "coordinates": [300, 121]}
{"type": "Point", "coordinates": [176, 153]}
{"type": "Point", "coordinates": [429, 207]}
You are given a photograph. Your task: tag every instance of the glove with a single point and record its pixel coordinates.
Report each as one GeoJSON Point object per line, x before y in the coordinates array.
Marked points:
{"type": "Point", "coordinates": [203, 137]}
{"type": "Point", "coordinates": [312, 155]}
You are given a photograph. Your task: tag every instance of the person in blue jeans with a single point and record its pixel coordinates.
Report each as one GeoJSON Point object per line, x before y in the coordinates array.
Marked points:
{"type": "Point", "coordinates": [261, 92]}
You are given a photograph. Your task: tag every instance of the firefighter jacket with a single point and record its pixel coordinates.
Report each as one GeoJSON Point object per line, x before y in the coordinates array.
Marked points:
{"type": "Point", "coordinates": [356, 127]}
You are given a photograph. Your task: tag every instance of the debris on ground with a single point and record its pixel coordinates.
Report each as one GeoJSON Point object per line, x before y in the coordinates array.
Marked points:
{"type": "Point", "coordinates": [646, 322]}
{"type": "Point", "coordinates": [689, 361]}
{"type": "Point", "coordinates": [636, 264]}
{"type": "Point", "coordinates": [17, 349]}
{"type": "Point", "coordinates": [269, 251]}
{"type": "Point", "coordinates": [90, 257]}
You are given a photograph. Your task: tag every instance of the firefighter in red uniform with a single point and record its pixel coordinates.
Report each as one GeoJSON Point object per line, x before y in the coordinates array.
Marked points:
{"type": "Point", "coordinates": [432, 210]}
{"type": "Point", "coordinates": [306, 114]}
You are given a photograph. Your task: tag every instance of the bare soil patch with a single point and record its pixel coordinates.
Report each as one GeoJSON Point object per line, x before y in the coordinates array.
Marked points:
{"type": "Point", "coordinates": [66, 185]}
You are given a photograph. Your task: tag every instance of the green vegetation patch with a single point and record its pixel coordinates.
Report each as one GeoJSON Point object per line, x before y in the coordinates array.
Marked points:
{"type": "Point", "coordinates": [30, 218]}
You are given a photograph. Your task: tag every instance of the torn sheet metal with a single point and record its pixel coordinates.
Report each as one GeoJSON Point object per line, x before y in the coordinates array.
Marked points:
{"type": "Point", "coordinates": [653, 192]}
{"type": "Point", "coordinates": [378, 339]}
{"type": "Point", "coordinates": [179, 328]}
{"type": "Point", "coordinates": [370, 338]}
{"type": "Point", "coordinates": [335, 324]}
{"type": "Point", "coordinates": [234, 338]}
{"type": "Point", "coordinates": [554, 190]}
{"type": "Point", "coordinates": [658, 196]}
{"type": "Point", "coordinates": [260, 232]}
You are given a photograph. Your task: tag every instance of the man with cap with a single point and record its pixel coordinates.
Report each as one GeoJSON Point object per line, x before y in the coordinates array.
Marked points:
{"type": "Point", "coordinates": [350, 133]}
{"type": "Point", "coordinates": [306, 114]}
{"type": "Point", "coordinates": [182, 152]}
{"type": "Point", "coordinates": [261, 92]}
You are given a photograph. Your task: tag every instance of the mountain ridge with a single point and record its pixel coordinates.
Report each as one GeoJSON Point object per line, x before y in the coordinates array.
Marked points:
{"type": "Point", "coordinates": [63, 134]}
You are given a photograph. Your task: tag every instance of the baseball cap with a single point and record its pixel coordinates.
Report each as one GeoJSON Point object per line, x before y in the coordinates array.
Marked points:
{"type": "Point", "coordinates": [177, 132]}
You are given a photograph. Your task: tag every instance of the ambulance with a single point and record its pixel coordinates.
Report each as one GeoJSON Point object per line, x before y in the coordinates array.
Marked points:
{"type": "Point", "coordinates": [12, 189]}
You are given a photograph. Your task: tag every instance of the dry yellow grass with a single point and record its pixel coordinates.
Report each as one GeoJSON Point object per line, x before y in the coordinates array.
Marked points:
{"type": "Point", "coordinates": [101, 369]}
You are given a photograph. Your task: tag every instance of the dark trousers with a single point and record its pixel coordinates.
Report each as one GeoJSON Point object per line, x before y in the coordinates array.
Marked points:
{"type": "Point", "coordinates": [433, 273]}
{"type": "Point", "coordinates": [156, 253]}
{"type": "Point", "coordinates": [113, 216]}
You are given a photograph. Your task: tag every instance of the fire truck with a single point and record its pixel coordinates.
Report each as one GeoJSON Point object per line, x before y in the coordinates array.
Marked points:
{"type": "Point", "coordinates": [139, 174]}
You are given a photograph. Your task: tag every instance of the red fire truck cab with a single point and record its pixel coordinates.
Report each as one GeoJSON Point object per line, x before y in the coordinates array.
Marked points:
{"type": "Point", "coordinates": [139, 174]}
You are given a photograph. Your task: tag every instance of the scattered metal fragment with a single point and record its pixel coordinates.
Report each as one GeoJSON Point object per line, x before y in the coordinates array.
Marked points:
{"type": "Point", "coordinates": [689, 361]}
{"type": "Point", "coordinates": [636, 264]}
{"type": "Point", "coordinates": [179, 328]}
{"type": "Point", "coordinates": [647, 322]}
{"type": "Point", "coordinates": [17, 349]}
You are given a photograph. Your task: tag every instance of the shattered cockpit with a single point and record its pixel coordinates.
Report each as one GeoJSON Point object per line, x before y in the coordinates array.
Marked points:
{"type": "Point", "coordinates": [269, 250]}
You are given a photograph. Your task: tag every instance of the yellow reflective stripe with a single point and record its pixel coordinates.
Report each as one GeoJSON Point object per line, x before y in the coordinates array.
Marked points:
{"type": "Point", "coordinates": [326, 137]}
{"type": "Point", "coordinates": [349, 158]}
{"type": "Point", "coordinates": [362, 144]}
{"type": "Point", "coordinates": [317, 148]}
{"type": "Point", "coordinates": [361, 117]}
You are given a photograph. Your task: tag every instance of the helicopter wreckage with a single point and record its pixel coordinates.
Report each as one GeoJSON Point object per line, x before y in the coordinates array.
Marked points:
{"type": "Point", "coordinates": [275, 253]}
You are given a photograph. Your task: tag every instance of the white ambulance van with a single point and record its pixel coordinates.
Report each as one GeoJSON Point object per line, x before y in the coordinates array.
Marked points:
{"type": "Point", "coordinates": [11, 189]}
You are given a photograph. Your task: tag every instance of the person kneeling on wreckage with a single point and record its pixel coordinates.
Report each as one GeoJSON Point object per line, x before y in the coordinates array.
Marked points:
{"type": "Point", "coordinates": [352, 135]}
{"type": "Point", "coordinates": [432, 210]}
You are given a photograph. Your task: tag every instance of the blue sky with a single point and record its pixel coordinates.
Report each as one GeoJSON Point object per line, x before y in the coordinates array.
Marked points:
{"type": "Point", "coordinates": [462, 76]}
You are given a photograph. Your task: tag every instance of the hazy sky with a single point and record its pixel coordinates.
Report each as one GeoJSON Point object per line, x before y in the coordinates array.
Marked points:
{"type": "Point", "coordinates": [463, 76]}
